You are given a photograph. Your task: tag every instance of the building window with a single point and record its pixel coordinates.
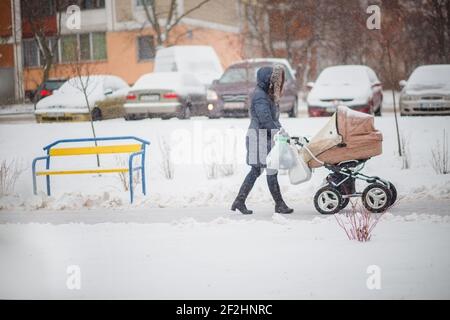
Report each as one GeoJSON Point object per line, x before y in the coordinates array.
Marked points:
{"type": "Point", "coordinates": [32, 56]}
{"type": "Point", "coordinates": [146, 48]}
{"type": "Point", "coordinates": [53, 46]}
{"type": "Point", "coordinates": [141, 2]}
{"type": "Point", "coordinates": [92, 47]}
{"type": "Point", "coordinates": [85, 46]}
{"type": "Point", "coordinates": [30, 53]}
{"type": "Point", "coordinates": [69, 48]}
{"type": "Point", "coordinates": [39, 9]}
{"type": "Point", "coordinates": [92, 4]}
{"type": "Point", "coordinates": [98, 46]}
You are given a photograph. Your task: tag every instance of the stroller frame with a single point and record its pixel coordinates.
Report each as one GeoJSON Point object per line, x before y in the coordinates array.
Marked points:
{"type": "Point", "coordinates": [377, 189]}
{"type": "Point", "coordinates": [355, 173]}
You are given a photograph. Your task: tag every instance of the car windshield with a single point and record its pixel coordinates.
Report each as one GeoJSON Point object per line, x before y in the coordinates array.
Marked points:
{"type": "Point", "coordinates": [53, 85]}
{"type": "Point", "coordinates": [238, 75]}
{"type": "Point", "coordinates": [342, 77]}
{"type": "Point", "coordinates": [433, 77]}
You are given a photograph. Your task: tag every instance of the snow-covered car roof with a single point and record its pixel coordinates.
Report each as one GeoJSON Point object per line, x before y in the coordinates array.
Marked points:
{"type": "Point", "coordinates": [265, 60]}
{"type": "Point", "coordinates": [70, 94]}
{"type": "Point", "coordinates": [177, 81]}
{"type": "Point", "coordinates": [430, 77]}
{"type": "Point", "coordinates": [351, 74]}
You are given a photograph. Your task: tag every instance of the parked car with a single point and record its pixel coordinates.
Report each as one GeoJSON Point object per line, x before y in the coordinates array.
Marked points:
{"type": "Point", "coordinates": [68, 103]}
{"type": "Point", "coordinates": [230, 95]}
{"type": "Point", "coordinates": [202, 61]}
{"type": "Point", "coordinates": [427, 91]}
{"type": "Point", "coordinates": [166, 95]}
{"type": "Point", "coordinates": [112, 107]}
{"type": "Point", "coordinates": [47, 89]}
{"type": "Point", "coordinates": [354, 86]}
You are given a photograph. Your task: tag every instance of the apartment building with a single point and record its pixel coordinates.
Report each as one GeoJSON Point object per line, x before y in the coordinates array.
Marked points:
{"type": "Point", "coordinates": [115, 36]}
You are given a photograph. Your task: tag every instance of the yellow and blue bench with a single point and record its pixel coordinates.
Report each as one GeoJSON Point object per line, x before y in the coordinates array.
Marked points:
{"type": "Point", "coordinates": [54, 149]}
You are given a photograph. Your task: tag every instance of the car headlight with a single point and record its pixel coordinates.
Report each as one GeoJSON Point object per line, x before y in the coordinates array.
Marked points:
{"type": "Point", "coordinates": [211, 95]}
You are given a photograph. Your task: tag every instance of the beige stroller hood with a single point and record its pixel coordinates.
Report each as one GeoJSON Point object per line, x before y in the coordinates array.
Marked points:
{"type": "Point", "coordinates": [349, 135]}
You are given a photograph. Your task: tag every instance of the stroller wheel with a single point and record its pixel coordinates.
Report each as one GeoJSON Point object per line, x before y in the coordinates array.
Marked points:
{"type": "Point", "coordinates": [328, 200]}
{"type": "Point", "coordinates": [376, 198]}
{"type": "Point", "coordinates": [393, 191]}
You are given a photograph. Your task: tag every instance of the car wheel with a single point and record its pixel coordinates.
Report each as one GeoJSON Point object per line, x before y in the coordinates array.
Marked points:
{"type": "Point", "coordinates": [294, 111]}
{"type": "Point", "coordinates": [96, 114]}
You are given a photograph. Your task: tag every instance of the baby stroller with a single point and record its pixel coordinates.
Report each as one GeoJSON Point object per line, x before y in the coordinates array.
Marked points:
{"type": "Point", "coordinates": [343, 146]}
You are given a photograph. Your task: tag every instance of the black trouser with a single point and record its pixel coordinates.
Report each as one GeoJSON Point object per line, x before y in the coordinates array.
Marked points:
{"type": "Point", "coordinates": [249, 182]}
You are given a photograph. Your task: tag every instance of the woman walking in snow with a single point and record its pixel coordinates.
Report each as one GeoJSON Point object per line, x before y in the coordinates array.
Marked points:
{"type": "Point", "coordinates": [264, 124]}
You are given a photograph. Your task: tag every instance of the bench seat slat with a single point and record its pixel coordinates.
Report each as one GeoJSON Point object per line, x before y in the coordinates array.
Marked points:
{"type": "Point", "coordinates": [126, 148]}
{"type": "Point", "coordinates": [85, 171]}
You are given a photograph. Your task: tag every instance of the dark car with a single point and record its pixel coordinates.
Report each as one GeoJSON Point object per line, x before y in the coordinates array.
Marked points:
{"type": "Point", "coordinates": [230, 95]}
{"type": "Point", "coordinates": [47, 88]}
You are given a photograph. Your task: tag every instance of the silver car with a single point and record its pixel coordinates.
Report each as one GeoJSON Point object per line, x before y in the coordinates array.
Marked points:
{"type": "Point", "coordinates": [427, 92]}
{"type": "Point", "coordinates": [166, 95]}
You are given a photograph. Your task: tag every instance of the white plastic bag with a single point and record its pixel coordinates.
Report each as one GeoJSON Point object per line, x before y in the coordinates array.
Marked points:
{"type": "Point", "coordinates": [282, 156]}
{"type": "Point", "coordinates": [300, 172]}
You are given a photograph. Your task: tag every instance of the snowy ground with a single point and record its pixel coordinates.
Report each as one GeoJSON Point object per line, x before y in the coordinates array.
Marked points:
{"type": "Point", "coordinates": [181, 241]}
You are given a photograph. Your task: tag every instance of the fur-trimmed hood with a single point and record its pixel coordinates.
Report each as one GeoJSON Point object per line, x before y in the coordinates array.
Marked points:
{"type": "Point", "coordinates": [271, 80]}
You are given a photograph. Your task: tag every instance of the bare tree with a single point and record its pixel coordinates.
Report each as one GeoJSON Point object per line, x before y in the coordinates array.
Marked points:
{"type": "Point", "coordinates": [257, 30]}
{"type": "Point", "coordinates": [437, 14]}
{"type": "Point", "coordinates": [164, 20]}
{"type": "Point", "coordinates": [36, 13]}
{"type": "Point", "coordinates": [84, 82]}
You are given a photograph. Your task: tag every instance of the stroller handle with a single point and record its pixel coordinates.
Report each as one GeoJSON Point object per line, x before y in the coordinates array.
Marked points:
{"type": "Point", "coordinates": [296, 140]}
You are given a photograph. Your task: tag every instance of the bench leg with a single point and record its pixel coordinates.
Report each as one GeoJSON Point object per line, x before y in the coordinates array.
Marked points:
{"type": "Point", "coordinates": [130, 172]}
{"type": "Point", "coordinates": [47, 178]}
{"type": "Point", "coordinates": [33, 170]}
{"type": "Point", "coordinates": [143, 174]}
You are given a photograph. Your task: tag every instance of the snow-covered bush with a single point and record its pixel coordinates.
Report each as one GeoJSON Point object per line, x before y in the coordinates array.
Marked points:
{"type": "Point", "coordinates": [166, 154]}
{"type": "Point", "coordinates": [439, 156]}
{"type": "Point", "coordinates": [10, 171]}
{"type": "Point", "coordinates": [218, 163]}
{"type": "Point", "coordinates": [406, 154]}
{"type": "Point", "coordinates": [124, 176]}
{"type": "Point", "coordinates": [359, 223]}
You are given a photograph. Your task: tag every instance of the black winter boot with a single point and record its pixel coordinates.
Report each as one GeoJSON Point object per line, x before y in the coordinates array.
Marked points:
{"type": "Point", "coordinates": [247, 185]}
{"type": "Point", "coordinates": [274, 187]}
{"type": "Point", "coordinates": [240, 205]}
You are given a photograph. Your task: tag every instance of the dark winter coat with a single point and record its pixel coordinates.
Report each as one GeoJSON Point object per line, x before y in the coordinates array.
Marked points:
{"type": "Point", "coordinates": [264, 115]}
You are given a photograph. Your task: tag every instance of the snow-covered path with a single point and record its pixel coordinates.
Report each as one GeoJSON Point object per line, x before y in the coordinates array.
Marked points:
{"type": "Point", "coordinates": [202, 214]}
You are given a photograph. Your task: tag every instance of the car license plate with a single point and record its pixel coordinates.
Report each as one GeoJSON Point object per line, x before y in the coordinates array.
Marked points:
{"type": "Point", "coordinates": [430, 105]}
{"type": "Point", "coordinates": [234, 105]}
{"type": "Point", "coordinates": [150, 97]}
{"type": "Point", "coordinates": [55, 114]}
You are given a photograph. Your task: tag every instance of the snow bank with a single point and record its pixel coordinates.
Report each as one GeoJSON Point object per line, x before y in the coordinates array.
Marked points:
{"type": "Point", "coordinates": [226, 259]}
